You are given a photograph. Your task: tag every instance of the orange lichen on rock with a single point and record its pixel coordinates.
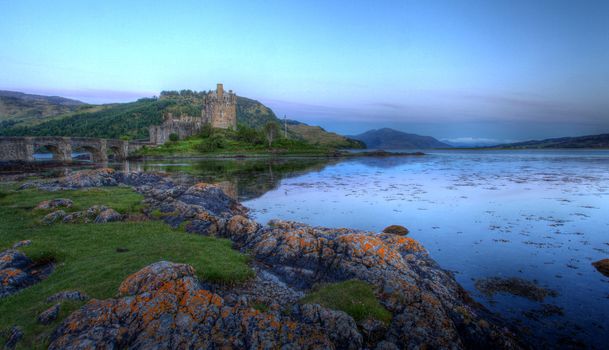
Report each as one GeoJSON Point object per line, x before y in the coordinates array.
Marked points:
{"type": "Point", "coordinates": [202, 186]}
{"type": "Point", "coordinates": [371, 250]}
{"type": "Point", "coordinates": [405, 244]}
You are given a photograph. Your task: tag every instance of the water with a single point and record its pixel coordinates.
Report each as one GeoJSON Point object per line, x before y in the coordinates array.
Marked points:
{"type": "Point", "coordinates": [536, 215]}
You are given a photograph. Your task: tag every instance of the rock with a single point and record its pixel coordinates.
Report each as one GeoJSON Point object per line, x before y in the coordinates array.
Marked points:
{"type": "Point", "coordinates": [212, 199]}
{"type": "Point", "coordinates": [55, 203]}
{"type": "Point", "coordinates": [97, 214]}
{"type": "Point", "coordinates": [17, 272]}
{"type": "Point", "coordinates": [68, 295]}
{"type": "Point", "coordinates": [164, 307]}
{"type": "Point", "coordinates": [338, 326]}
{"type": "Point", "coordinates": [53, 217]}
{"type": "Point", "coordinates": [12, 336]}
{"type": "Point", "coordinates": [373, 331]}
{"type": "Point", "coordinates": [77, 216]}
{"type": "Point", "coordinates": [108, 215]}
{"type": "Point", "coordinates": [429, 307]}
{"type": "Point", "coordinates": [385, 345]}
{"type": "Point", "coordinates": [92, 212]}
{"type": "Point", "coordinates": [76, 180]}
{"type": "Point", "coordinates": [515, 286]}
{"type": "Point", "coordinates": [23, 243]}
{"type": "Point", "coordinates": [396, 230]}
{"type": "Point", "coordinates": [152, 277]}
{"type": "Point", "coordinates": [122, 250]}
{"type": "Point", "coordinates": [546, 310]}
{"type": "Point", "coordinates": [602, 266]}
{"type": "Point", "coordinates": [49, 315]}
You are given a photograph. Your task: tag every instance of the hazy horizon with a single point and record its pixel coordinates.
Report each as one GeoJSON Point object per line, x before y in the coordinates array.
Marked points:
{"type": "Point", "coordinates": [472, 71]}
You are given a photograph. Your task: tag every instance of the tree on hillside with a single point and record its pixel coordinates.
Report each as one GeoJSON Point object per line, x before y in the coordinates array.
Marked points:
{"type": "Point", "coordinates": [271, 130]}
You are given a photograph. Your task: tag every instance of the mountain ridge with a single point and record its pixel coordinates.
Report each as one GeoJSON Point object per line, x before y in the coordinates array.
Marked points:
{"type": "Point", "coordinates": [586, 141]}
{"type": "Point", "coordinates": [387, 138]}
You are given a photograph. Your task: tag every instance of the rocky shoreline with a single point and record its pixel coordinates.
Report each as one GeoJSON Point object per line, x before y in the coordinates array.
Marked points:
{"type": "Point", "coordinates": [164, 305]}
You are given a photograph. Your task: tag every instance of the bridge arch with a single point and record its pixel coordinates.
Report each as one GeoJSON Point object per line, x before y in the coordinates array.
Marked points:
{"type": "Point", "coordinates": [23, 148]}
{"type": "Point", "coordinates": [60, 147]}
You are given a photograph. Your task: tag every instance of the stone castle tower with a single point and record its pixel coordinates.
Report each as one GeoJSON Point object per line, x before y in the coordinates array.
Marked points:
{"type": "Point", "coordinates": [220, 108]}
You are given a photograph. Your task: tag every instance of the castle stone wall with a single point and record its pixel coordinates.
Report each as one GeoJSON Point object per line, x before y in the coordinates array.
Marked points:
{"type": "Point", "coordinates": [184, 126]}
{"type": "Point", "coordinates": [219, 110]}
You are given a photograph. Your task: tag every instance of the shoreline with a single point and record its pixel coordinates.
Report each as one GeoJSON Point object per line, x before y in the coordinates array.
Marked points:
{"type": "Point", "coordinates": [427, 305]}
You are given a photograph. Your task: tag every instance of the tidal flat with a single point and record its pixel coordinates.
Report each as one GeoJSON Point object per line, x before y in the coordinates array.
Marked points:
{"type": "Point", "coordinates": [534, 216]}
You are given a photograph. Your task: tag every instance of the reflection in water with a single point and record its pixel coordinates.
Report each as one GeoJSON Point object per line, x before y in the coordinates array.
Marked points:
{"type": "Point", "coordinates": [534, 215]}
{"type": "Point", "coordinates": [243, 179]}
{"type": "Point", "coordinates": [539, 216]}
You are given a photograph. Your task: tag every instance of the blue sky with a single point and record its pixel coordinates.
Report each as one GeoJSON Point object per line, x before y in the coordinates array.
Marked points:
{"type": "Point", "coordinates": [499, 70]}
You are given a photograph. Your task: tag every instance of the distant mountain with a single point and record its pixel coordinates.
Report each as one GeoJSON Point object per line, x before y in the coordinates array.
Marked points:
{"type": "Point", "coordinates": [387, 138]}
{"type": "Point", "coordinates": [590, 141]}
{"type": "Point", "coordinates": [33, 115]}
{"type": "Point", "coordinates": [19, 107]}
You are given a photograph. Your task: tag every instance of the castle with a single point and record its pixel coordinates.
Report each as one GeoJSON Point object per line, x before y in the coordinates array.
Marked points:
{"type": "Point", "coordinates": [219, 110]}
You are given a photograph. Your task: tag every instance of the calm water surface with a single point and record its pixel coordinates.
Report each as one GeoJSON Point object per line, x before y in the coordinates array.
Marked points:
{"type": "Point", "coordinates": [537, 215]}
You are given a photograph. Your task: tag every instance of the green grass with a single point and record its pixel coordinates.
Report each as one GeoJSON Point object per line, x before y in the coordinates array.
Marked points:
{"type": "Point", "coordinates": [354, 297]}
{"type": "Point", "coordinates": [231, 147]}
{"type": "Point", "coordinates": [86, 256]}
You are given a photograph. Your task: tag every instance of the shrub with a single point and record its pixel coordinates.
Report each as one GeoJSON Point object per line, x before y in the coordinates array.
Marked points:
{"type": "Point", "coordinates": [206, 131]}
{"type": "Point", "coordinates": [211, 144]}
{"type": "Point", "coordinates": [249, 135]}
{"type": "Point", "coordinates": [173, 137]}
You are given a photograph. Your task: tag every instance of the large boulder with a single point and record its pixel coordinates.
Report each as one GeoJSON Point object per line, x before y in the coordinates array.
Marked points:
{"type": "Point", "coordinates": [163, 307]}
{"type": "Point", "coordinates": [396, 230]}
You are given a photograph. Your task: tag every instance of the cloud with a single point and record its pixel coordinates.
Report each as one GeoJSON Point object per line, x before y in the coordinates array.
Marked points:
{"type": "Point", "coordinates": [438, 106]}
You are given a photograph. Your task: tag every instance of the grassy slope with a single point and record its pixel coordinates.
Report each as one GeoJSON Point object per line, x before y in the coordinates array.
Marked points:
{"type": "Point", "coordinates": [86, 253]}
{"type": "Point", "coordinates": [318, 136]}
{"type": "Point", "coordinates": [232, 146]}
{"type": "Point", "coordinates": [112, 121]}
{"type": "Point", "coordinates": [19, 107]}
{"type": "Point", "coordinates": [354, 297]}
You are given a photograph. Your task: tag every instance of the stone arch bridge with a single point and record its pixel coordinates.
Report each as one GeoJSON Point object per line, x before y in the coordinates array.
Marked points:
{"type": "Point", "coordinates": [23, 148]}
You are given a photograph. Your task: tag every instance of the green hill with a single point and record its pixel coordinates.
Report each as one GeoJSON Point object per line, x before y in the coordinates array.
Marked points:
{"type": "Point", "coordinates": [131, 120]}
{"type": "Point", "coordinates": [318, 136]}
{"type": "Point", "coordinates": [108, 121]}
{"type": "Point", "coordinates": [18, 107]}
